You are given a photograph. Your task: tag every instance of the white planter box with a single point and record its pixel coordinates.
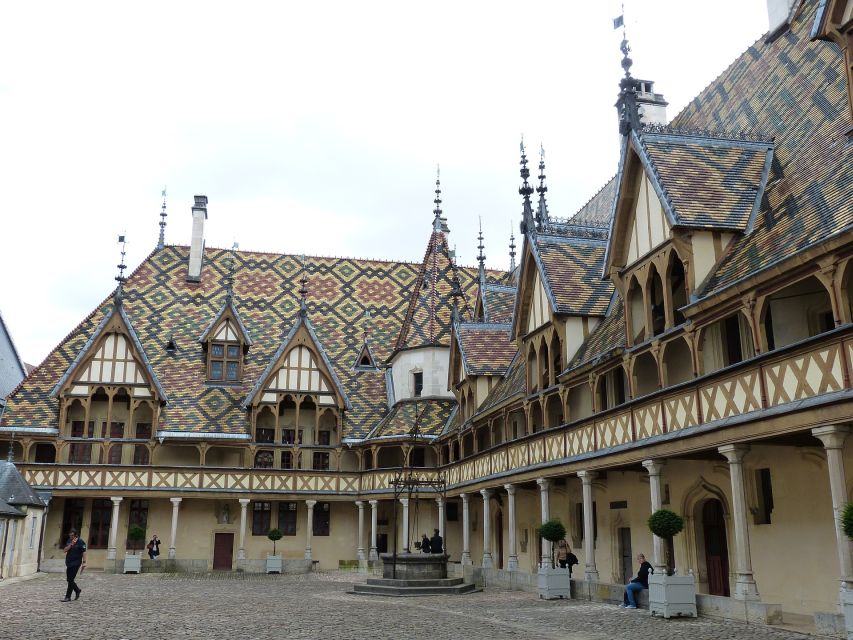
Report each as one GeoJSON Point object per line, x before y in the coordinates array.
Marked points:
{"type": "Point", "coordinates": [672, 595]}
{"type": "Point", "coordinates": [847, 610]}
{"type": "Point", "coordinates": [132, 564]}
{"type": "Point", "coordinates": [553, 583]}
{"type": "Point", "coordinates": [273, 564]}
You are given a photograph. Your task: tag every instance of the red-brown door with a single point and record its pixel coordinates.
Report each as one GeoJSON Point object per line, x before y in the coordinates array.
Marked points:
{"type": "Point", "coordinates": [716, 549]}
{"type": "Point", "coordinates": [223, 551]}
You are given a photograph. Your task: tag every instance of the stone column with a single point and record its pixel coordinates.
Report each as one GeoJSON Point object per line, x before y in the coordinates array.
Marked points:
{"type": "Point", "coordinates": [466, 528]}
{"type": "Point", "coordinates": [440, 503]}
{"type": "Point", "coordinates": [176, 503]}
{"type": "Point", "coordinates": [241, 550]}
{"type": "Point", "coordinates": [545, 505]}
{"type": "Point", "coordinates": [309, 527]}
{"type": "Point", "coordinates": [487, 529]}
{"type": "Point", "coordinates": [590, 571]}
{"type": "Point", "coordinates": [111, 549]}
{"type": "Point", "coordinates": [360, 550]}
{"type": "Point", "coordinates": [374, 519]}
{"type": "Point", "coordinates": [745, 587]}
{"type": "Point", "coordinates": [512, 562]}
{"type": "Point", "coordinates": [405, 503]}
{"type": "Point", "coordinates": [833, 438]}
{"type": "Point", "coordinates": [654, 467]}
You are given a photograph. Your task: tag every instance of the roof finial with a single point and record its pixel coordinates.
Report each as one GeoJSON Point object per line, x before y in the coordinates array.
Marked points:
{"type": "Point", "coordinates": [229, 279]}
{"type": "Point", "coordinates": [10, 455]}
{"type": "Point", "coordinates": [455, 294]}
{"type": "Point", "coordinates": [481, 258]}
{"type": "Point", "coordinates": [121, 267]}
{"type": "Point", "coordinates": [542, 212]}
{"type": "Point", "coordinates": [437, 222]}
{"type": "Point", "coordinates": [303, 290]}
{"type": "Point", "coordinates": [626, 104]}
{"type": "Point", "coordinates": [365, 325]}
{"type": "Point", "coordinates": [525, 190]}
{"type": "Point", "coordinates": [162, 241]}
{"type": "Point", "coordinates": [511, 249]}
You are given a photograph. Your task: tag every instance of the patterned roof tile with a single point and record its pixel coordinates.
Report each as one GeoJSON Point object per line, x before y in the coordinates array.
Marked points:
{"type": "Point", "coordinates": [431, 414]}
{"type": "Point", "coordinates": [572, 269]}
{"type": "Point", "coordinates": [487, 348]}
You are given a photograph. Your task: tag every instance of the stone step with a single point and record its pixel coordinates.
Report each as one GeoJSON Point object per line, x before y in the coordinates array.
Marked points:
{"type": "Point", "coordinates": [435, 582]}
{"type": "Point", "coordinates": [385, 590]}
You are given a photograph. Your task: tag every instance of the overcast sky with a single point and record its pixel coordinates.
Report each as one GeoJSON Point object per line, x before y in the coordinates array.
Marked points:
{"type": "Point", "coordinates": [312, 127]}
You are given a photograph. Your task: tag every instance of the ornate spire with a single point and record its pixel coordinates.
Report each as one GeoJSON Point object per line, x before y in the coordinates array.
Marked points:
{"type": "Point", "coordinates": [229, 279]}
{"type": "Point", "coordinates": [481, 257]}
{"type": "Point", "coordinates": [121, 267]}
{"type": "Point", "coordinates": [525, 190]}
{"type": "Point", "coordinates": [511, 249]}
{"type": "Point", "coordinates": [626, 104]}
{"type": "Point", "coordinates": [162, 241]}
{"type": "Point", "coordinates": [455, 295]}
{"type": "Point", "coordinates": [542, 211]}
{"type": "Point", "coordinates": [436, 223]}
{"type": "Point", "coordinates": [303, 290]}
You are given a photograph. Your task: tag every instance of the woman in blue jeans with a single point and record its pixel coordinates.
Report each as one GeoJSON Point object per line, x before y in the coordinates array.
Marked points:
{"type": "Point", "coordinates": [637, 584]}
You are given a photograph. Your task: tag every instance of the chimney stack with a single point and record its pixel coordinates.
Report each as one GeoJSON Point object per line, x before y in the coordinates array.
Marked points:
{"type": "Point", "coordinates": [197, 244]}
{"type": "Point", "coordinates": [778, 12]}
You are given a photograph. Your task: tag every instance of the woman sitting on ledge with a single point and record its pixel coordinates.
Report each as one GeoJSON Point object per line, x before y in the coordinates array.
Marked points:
{"type": "Point", "coordinates": [629, 600]}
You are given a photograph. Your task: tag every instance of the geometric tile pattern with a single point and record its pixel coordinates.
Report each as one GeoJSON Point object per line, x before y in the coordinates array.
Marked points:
{"type": "Point", "coordinates": [430, 414]}
{"type": "Point", "coordinates": [608, 336]}
{"type": "Point", "coordinates": [572, 269]}
{"type": "Point", "coordinates": [487, 349]}
{"type": "Point", "coordinates": [161, 304]}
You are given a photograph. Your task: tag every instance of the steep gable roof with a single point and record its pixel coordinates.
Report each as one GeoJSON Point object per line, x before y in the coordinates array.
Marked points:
{"type": "Point", "coordinates": [14, 490]}
{"type": "Point", "coordinates": [572, 270]}
{"type": "Point", "coordinates": [498, 301]}
{"type": "Point", "coordinates": [486, 348]}
{"type": "Point", "coordinates": [226, 309]}
{"type": "Point", "coordinates": [430, 414]}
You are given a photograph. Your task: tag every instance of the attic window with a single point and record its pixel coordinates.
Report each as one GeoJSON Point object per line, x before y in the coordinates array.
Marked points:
{"type": "Point", "coordinates": [365, 359]}
{"type": "Point", "coordinates": [225, 354]}
{"type": "Point", "coordinates": [418, 383]}
{"type": "Point", "coordinates": [171, 347]}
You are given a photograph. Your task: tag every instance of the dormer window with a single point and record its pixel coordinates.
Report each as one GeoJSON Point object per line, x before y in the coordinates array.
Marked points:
{"type": "Point", "coordinates": [224, 362]}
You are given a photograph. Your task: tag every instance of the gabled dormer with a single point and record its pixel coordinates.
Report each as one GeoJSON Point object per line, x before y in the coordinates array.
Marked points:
{"type": "Point", "coordinates": [480, 354]}
{"type": "Point", "coordinates": [681, 199]}
{"type": "Point", "coordinates": [225, 342]}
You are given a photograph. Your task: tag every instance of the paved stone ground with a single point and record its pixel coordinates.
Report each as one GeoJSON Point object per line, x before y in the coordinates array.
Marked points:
{"type": "Point", "coordinates": [244, 607]}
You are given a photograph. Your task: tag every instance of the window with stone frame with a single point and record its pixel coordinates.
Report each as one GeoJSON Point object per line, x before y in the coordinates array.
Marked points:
{"type": "Point", "coordinates": [99, 525]}
{"type": "Point", "coordinates": [287, 460]}
{"type": "Point", "coordinates": [137, 517]}
{"type": "Point", "coordinates": [72, 518]}
{"type": "Point", "coordinates": [261, 513]}
{"type": "Point", "coordinates": [322, 518]}
{"type": "Point", "coordinates": [287, 518]}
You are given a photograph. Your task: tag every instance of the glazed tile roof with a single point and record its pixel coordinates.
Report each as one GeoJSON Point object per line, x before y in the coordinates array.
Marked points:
{"type": "Point", "coordinates": [512, 385]}
{"type": "Point", "coordinates": [160, 304]}
{"type": "Point", "coordinates": [571, 268]}
{"type": "Point", "coordinates": [596, 213]}
{"type": "Point", "coordinates": [499, 302]}
{"type": "Point", "coordinates": [486, 348]}
{"type": "Point", "coordinates": [431, 414]}
{"type": "Point", "coordinates": [706, 181]}
{"type": "Point", "coordinates": [793, 90]}
{"type": "Point", "coordinates": [608, 336]}
{"type": "Point", "coordinates": [428, 317]}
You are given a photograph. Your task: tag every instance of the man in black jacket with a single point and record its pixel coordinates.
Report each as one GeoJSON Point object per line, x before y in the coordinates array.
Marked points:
{"type": "Point", "coordinates": [436, 542]}
{"type": "Point", "coordinates": [637, 584]}
{"type": "Point", "coordinates": [75, 559]}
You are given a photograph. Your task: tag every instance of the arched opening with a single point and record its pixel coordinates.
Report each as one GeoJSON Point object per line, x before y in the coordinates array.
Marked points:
{"type": "Point", "coordinates": [636, 312]}
{"type": "Point", "coordinates": [725, 342]}
{"type": "Point", "coordinates": [349, 460]}
{"type": "Point", "coordinates": [657, 302]}
{"type": "Point", "coordinates": [482, 434]}
{"type": "Point", "coordinates": [677, 288]}
{"type": "Point", "coordinates": [264, 459]}
{"type": "Point", "coordinates": [553, 411]}
{"type": "Point", "coordinates": [579, 401]}
{"type": "Point", "coordinates": [327, 428]}
{"type": "Point", "coordinates": [645, 374]}
{"type": "Point", "coordinates": [287, 421]}
{"type": "Point", "coordinates": [454, 451]}
{"type": "Point", "coordinates": [797, 312]}
{"type": "Point", "coordinates": [444, 455]}
{"type": "Point", "coordinates": [43, 452]}
{"type": "Point", "coordinates": [612, 389]}
{"type": "Point", "coordinates": [367, 459]}
{"type": "Point", "coordinates": [265, 425]}
{"type": "Point", "coordinates": [497, 432]}
{"type": "Point", "coordinates": [532, 372]}
{"type": "Point", "coordinates": [536, 422]}
{"type": "Point", "coordinates": [389, 457]}
{"type": "Point", "coordinates": [468, 445]}
{"type": "Point", "coordinates": [471, 403]}
{"type": "Point", "coordinates": [712, 526]}
{"type": "Point", "coordinates": [677, 362]}
{"type": "Point", "coordinates": [556, 356]}
{"type": "Point", "coordinates": [544, 367]}
{"type": "Point", "coordinates": [308, 420]}
{"type": "Point", "coordinates": [517, 427]}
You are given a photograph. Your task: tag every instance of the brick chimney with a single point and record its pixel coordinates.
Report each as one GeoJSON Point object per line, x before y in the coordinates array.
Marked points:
{"type": "Point", "coordinates": [197, 244]}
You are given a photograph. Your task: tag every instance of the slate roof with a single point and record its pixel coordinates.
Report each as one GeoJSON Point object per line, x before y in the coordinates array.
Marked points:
{"type": "Point", "coordinates": [432, 415]}
{"type": "Point", "coordinates": [160, 304]}
{"type": "Point", "coordinates": [12, 368]}
{"type": "Point", "coordinates": [793, 90]}
{"type": "Point", "coordinates": [14, 490]}
{"type": "Point", "coordinates": [571, 268]}
{"type": "Point", "coordinates": [607, 337]}
{"type": "Point", "coordinates": [706, 181]}
{"type": "Point", "coordinates": [512, 385]}
{"type": "Point", "coordinates": [486, 348]}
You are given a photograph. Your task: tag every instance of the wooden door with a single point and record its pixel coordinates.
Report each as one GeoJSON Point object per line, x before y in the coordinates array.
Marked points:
{"type": "Point", "coordinates": [716, 549]}
{"type": "Point", "coordinates": [625, 554]}
{"type": "Point", "coordinates": [223, 551]}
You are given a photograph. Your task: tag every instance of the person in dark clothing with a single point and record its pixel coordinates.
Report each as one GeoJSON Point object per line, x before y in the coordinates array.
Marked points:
{"type": "Point", "coordinates": [154, 547]}
{"type": "Point", "coordinates": [426, 546]}
{"type": "Point", "coordinates": [75, 560]}
{"type": "Point", "coordinates": [565, 557]}
{"type": "Point", "coordinates": [436, 543]}
{"type": "Point", "coordinates": [639, 583]}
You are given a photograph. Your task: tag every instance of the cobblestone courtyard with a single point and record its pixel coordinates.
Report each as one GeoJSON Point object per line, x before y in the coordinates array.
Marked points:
{"type": "Point", "coordinates": [161, 607]}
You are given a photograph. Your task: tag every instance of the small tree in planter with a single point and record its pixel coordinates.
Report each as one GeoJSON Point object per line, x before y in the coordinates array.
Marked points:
{"type": "Point", "coordinates": [670, 595]}
{"type": "Point", "coordinates": [553, 582]}
{"type": "Point", "coordinates": [847, 520]}
{"type": "Point", "coordinates": [274, 561]}
{"type": "Point", "coordinates": [847, 596]}
{"type": "Point", "coordinates": [133, 562]}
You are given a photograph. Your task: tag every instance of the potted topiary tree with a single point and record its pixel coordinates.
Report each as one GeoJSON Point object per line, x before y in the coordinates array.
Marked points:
{"type": "Point", "coordinates": [274, 561]}
{"type": "Point", "coordinates": [132, 561]}
{"type": "Point", "coordinates": [669, 595]}
{"type": "Point", "coordinates": [553, 582]}
{"type": "Point", "coordinates": [847, 596]}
